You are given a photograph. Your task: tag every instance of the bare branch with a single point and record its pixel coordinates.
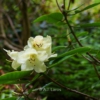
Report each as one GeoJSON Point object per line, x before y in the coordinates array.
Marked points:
{"type": "Point", "coordinates": [68, 89]}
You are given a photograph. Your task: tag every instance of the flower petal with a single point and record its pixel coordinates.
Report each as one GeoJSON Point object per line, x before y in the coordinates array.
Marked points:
{"type": "Point", "coordinates": [25, 55]}
{"type": "Point", "coordinates": [40, 67]}
{"type": "Point", "coordinates": [15, 64]}
{"type": "Point", "coordinates": [13, 54]}
{"type": "Point", "coordinates": [47, 42]}
{"type": "Point", "coordinates": [27, 66]}
{"type": "Point", "coordinates": [53, 55]}
{"type": "Point", "coordinates": [42, 56]}
{"type": "Point", "coordinates": [30, 42]}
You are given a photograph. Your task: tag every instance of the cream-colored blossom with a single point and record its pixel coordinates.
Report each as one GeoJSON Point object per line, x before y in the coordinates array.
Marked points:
{"type": "Point", "coordinates": [29, 61]}
{"type": "Point", "coordinates": [35, 53]}
{"type": "Point", "coordinates": [42, 45]}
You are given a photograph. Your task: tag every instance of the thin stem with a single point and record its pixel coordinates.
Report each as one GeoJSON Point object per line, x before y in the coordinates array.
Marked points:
{"type": "Point", "coordinates": [64, 13]}
{"type": "Point", "coordinates": [64, 4]}
{"type": "Point", "coordinates": [13, 27]}
{"type": "Point", "coordinates": [68, 89]}
{"type": "Point", "coordinates": [69, 4]}
{"type": "Point", "coordinates": [58, 5]}
{"type": "Point", "coordinates": [72, 31]}
{"type": "Point", "coordinates": [96, 71]}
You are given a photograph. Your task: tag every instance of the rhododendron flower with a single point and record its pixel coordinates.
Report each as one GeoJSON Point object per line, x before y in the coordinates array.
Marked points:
{"type": "Point", "coordinates": [35, 53]}
{"type": "Point", "coordinates": [43, 44]}
{"type": "Point", "coordinates": [28, 60]}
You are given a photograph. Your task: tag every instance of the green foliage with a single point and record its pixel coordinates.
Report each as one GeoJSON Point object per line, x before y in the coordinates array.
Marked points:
{"type": "Point", "coordinates": [70, 68]}
{"type": "Point", "coordinates": [51, 18]}
{"type": "Point", "coordinates": [88, 7]}
{"type": "Point", "coordinates": [89, 25]}
{"type": "Point", "coordinates": [12, 98]}
{"type": "Point", "coordinates": [12, 77]}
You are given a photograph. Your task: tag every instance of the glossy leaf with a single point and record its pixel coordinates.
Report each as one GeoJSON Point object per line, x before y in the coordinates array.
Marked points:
{"type": "Point", "coordinates": [75, 8]}
{"type": "Point", "coordinates": [60, 61]}
{"type": "Point", "coordinates": [89, 25]}
{"type": "Point", "coordinates": [88, 7]}
{"type": "Point", "coordinates": [82, 34]}
{"type": "Point", "coordinates": [11, 98]}
{"type": "Point", "coordinates": [80, 50]}
{"type": "Point", "coordinates": [14, 75]}
{"type": "Point", "coordinates": [52, 18]}
{"type": "Point", "coordinates": [13, 82]}
{"type": "Point", "coordinates": [58, 47]}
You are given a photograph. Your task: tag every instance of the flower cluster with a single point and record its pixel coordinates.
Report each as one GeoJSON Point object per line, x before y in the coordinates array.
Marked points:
{"type": "Point", "coordinates": [35, 54]}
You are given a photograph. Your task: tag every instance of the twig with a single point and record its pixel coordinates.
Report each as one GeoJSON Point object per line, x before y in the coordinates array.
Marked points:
{"type": "Point", "coordinates": [72, 31]}
{"type": "Point", "coordinates": [26, 24]}
{"type": "Point", "coordinates": [68, 89]}
{"type": "Point", "coordinates": [64, 4]}
{"type": "Point", "coordinates": [69, 4]}
{"type": "Point", "coordinates": [12, 26]}
{"type": "Point", "coordinates": [65, 14]}
{"type": "Point", "coordinates": [95, 59]}
{"type": "Point", "coordinates": [58, 5]}
{"type": "Point", "coordinates": [96, 71]}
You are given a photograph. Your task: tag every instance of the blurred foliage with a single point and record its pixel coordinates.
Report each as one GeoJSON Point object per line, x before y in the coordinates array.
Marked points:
{"type": "Point", "coordinates": [76, 72]}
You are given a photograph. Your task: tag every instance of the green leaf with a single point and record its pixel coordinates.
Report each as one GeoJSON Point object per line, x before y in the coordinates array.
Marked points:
{"type": "Point", "coordinates": [60, 61]}
{"type": "Point", "coordinates": [89, 25]}
{"type": "Point", "coordinates": [45, 98]}
{"type": "Point", "coordinates": [51, 18]}
{"type": "Point", "coordinates": [88, 7]}
{"type": "Point", "coordinates": [75, 8]}
{"type": "Point", "coordinates": [13, 82]}
{"type": "Point", "coordinates": [68, 54]}
{"type": "Point", "coordinates": [11, 98]}
{"type": "Point", "coordinates": [58, 47]}
{"type": "Point", "coordinates": [81, 34]}
{"type": "Point", "coordinates": [79, 50]}
{"type": "Point", "coordinates": [14, 75]}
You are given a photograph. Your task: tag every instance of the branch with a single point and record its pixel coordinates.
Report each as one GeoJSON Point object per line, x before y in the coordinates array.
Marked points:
{"type": "Point", "coordinates": [68, 89]}
{"type": "Point", "coordinates": [72, 31]}
{"type": "Point", "coordinates": [69, 4]}
{"type": "Point", "coordinates": [58, 5]}
{"type": "Point", "coordinates": [12, 26]}
{"type": "Point", "coordinates": [26, 25]}
{"type": "Point", "coordinates": [96, 71]}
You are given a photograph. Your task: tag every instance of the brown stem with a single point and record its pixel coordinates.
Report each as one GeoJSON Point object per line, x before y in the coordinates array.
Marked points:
{"type": "Point", "coordinates": [12, 26]}
{"type": "Point", "coordinates": [68, 89]}
{"type": "Point", "coordinates": [6, 41]}
{"type": "Point", "coordinates": [25, 20]}
{"type": "Point", "coordinates": [69, 4]}
{"type": "Point", "coordinates": [96, 71]}
{"type": "Point", "coordinates": [64, 4]}
{"type": "Point", "coordinates": [72, 31]}
{"type": "Point", "coordinates": [95, 59]}
{"type": "Point", "coordinates": [58, 5]}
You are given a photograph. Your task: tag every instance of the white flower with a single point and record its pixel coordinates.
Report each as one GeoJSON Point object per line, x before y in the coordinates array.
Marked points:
{"type": "Point", "coordinates": [14, 55]}
{"type": "Point", "coordinates": [29, 61]}
{"type": "Point", "coordinates": [42, 46]}
{"type": "Point", "coordinates": [35, 53]}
